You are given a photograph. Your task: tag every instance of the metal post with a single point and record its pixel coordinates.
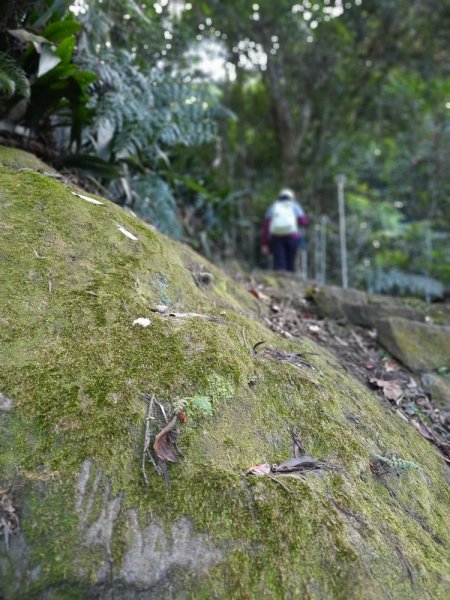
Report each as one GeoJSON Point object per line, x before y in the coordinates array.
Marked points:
{"type": "Point", "coordinates": [428, 256]}
{"type": "Point", "coordinates": [323, 249]}
{"type": "Point", "coordinates": [340, 181]}
{"type": "Point", "coordinates": [304, 263]}
{"type": "Point", "coordinates": [317, 260]}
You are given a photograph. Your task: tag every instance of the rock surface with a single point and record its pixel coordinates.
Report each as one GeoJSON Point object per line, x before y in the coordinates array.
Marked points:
{"type": "Point", "coordinates": [439, 388]}
{"type": "Point", "coordinates": [366, 310]}
{"type": "Point", "coordinates": [75, 369]}
{"type": "Point", "coordinates": [419, 346]}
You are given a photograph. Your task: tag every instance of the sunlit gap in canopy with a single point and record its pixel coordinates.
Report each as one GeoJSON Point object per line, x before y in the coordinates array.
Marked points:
{"type": "Point", "coordinates": [175, 7]}
{"type": "Point", "coordinates": [80, 7]}
{"type": "Point", "coordinates": [208, 54]}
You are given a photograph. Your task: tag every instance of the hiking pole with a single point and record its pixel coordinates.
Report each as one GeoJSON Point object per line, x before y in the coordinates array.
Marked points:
{"type": "Point", "coordinates": [340, 181]}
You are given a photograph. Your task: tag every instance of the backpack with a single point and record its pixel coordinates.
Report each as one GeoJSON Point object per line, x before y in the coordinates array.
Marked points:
{"type": "Point", "coordinates": [284, 219]}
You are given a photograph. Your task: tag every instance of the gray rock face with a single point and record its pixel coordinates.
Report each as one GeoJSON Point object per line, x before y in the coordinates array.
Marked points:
{"type": "Point", "coordinates": [419, 346]}
{"type": "Point", "coordinates": [5, 403]}
{"type": "Point", "coordinates": [98, 532]}
{"type": "Point", "coordinates": [153, 554]}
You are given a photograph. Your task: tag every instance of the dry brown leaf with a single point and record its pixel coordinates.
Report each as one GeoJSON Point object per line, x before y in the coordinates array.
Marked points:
{"type": "Point", "coordinates": [340, 341]}
{"type": "Point", "coordinates": [390, 365]}
{"type": "Point", "coordinates": [258, 295]}
{"type": "Point", "coordinates": [423, 430]}
{"type": "Point", "coordinates": [262, 469]}
{"type": "Point", "coordinates": [161, 446]}
{"type": "Point", "coordinates": [392, 390]}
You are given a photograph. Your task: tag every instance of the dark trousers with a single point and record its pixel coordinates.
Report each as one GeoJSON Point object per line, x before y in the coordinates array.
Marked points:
{"type": "Point", "coordinates": [284, 249]}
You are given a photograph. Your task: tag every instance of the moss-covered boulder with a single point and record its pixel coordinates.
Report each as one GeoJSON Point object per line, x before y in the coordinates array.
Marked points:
{"type": "Point", "coordinates": [419, 346]}
{"type": "Point", "coordinates": [439, 388]}
{"type": "Point", "coordinates": [340, 303]}
{"type": "Point", "coordinates": [77, 520]}
{"type": "Point", "coordinates": [366, 310]}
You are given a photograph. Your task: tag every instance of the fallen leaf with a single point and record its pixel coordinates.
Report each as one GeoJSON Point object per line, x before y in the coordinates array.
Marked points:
{"type": "Point", "coordinates": [126, 232]}
{"type": "Point", "coordinates": [258, 295]}
{"type": "Point", "coordinates": [402, 416]}
{"type": "Point", "coordinates": [142, 321]}
{"type": "Point", "coordinates": [390, 365]}
{"type": "Point", "coordinates": [423, 430]}
{"type": "Point", "coordinates": [263, 469]}
{"type": "Point", "coordinates": [297, 464]}
{"type": "Point", "coordinates": [411, 383]}
{"type": "Point", "coordinates": [191, 315]}
{"type": "Point", "coordinates": [302, 463]}
{"type": "Point", "coordinates": [161, 446]}
{"type": "Point", "coordinates": [391, 389]}
{"type": "Point", "coordinates": [161, 308]}
{"type": "Point", "coordinates": [88, 199]}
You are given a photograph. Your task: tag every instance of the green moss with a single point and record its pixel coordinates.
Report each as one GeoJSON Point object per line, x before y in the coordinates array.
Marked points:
{"type": "Point", "coordinates": [76, 368]}
{"type": "Point", "coordinates": [19, 158]}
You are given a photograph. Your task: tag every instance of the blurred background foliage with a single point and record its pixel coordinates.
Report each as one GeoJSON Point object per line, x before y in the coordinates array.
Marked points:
{"type": "Point", "coordinates": [194, 114]}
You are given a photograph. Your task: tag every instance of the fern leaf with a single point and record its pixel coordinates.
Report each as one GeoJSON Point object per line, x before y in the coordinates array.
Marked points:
{"type": "Point", "coordinates": [395, 464]}
{"type": "Point", "coordinates": [202, 404]}
{"type": "Point", "coordinates": [13, 80]}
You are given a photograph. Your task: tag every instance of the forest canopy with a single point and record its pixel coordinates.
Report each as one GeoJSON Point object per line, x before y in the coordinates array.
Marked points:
{"type": "Point", "coordinates": [195, 114]}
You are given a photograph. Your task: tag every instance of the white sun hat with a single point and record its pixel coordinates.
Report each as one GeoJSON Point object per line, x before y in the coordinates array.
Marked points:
{"type": "Point", "coordinates": [286, 194]}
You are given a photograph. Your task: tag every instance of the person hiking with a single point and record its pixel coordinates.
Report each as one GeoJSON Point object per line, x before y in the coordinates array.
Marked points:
{"type": "Point", "coordinates": [281, 231]}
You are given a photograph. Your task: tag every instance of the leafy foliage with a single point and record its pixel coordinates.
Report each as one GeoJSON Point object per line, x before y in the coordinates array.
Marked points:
{"type": "Point", "coordinates": [295, 94]}
{"type": "Point", "coordinates": [13, 80]}
{"type": "Point", "coordinates": [154, 200]}
{"type": "Point", "coordinates": [199, 404]}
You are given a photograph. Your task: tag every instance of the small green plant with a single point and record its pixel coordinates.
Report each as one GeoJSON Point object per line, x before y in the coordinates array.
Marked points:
{"type": "Point", "coordinates": [199, 404]}
{"type": "Point", "coordinates": [382, 465]}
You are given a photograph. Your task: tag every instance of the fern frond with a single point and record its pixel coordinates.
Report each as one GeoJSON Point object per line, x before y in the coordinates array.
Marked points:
{"type": "Point", "coordinates": [13, 80]}
{"type": "Point", "coordinates": [179, 404]}
{"type": "Point", "coordinates": [394, 464]}
{"type": "Point", "coordinates": [200, 404]}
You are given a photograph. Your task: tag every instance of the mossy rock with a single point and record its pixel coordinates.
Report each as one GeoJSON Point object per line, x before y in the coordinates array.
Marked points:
{"type": "Point", "coordinates": [366, 310]}
{"type": "Point", "coordinates": [72, 421]}
{"type": "Point", "coordinates": [439, 388]}
{"type": "Point", "coordinates": [419, 346]}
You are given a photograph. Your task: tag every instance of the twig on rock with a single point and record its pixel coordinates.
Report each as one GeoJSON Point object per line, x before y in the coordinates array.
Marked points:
{"type": "Point", "coordinates": [145, 452]}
